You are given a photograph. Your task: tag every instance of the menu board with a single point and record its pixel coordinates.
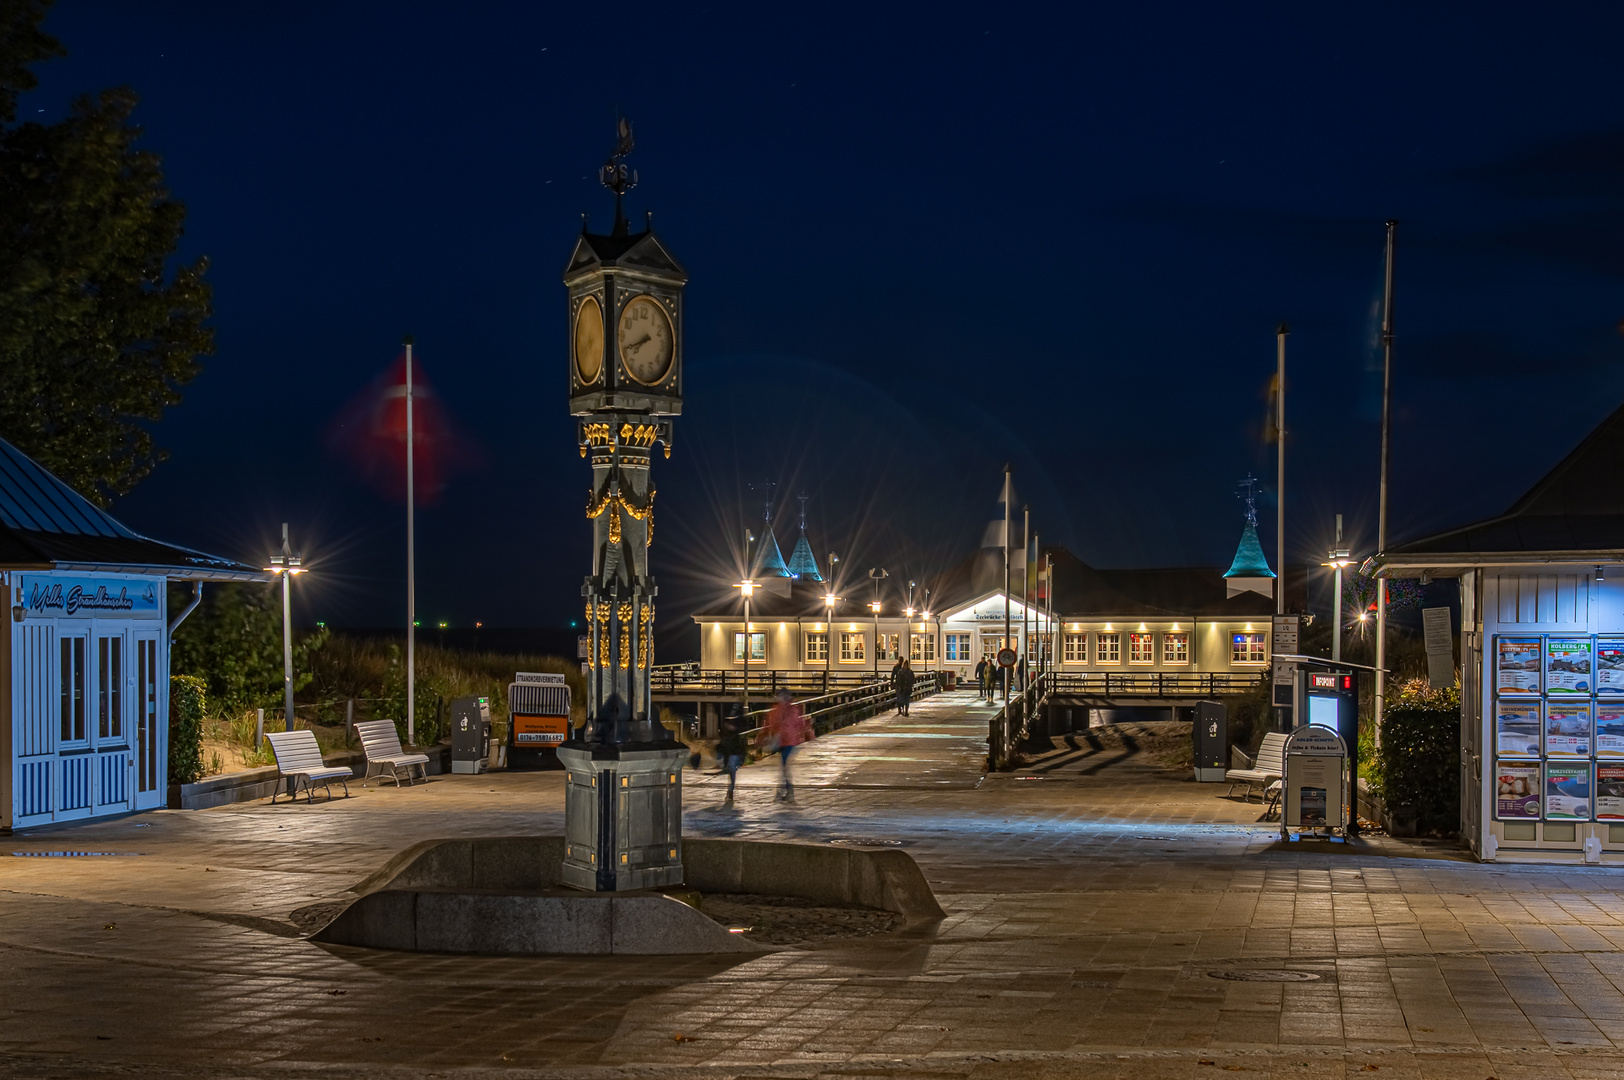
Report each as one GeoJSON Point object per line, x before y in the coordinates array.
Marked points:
{"type": "Point", "coordinates": [1567, 729]}
{"type": "Point", "coordinates": [1516, 665]}
{"type": "Point", "coordinates": [1609, 666]}
{"type": "Point", "coordinates": [1516, 728]}
{"type": "Point", "coordinates": [1518, 791]}
{"type": "Point", "coordinates": [1609, 730]}
{"type": "Point", "coordinates": [1567, 791]}
{"type": "Point", "coordinates": [1567, 666]}
{"type": "Point", "coordinates": [1610, 791]}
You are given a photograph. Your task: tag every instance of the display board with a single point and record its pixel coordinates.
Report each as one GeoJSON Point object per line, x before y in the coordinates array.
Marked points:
{"type": "Point", "coordinates": [1559, 727]}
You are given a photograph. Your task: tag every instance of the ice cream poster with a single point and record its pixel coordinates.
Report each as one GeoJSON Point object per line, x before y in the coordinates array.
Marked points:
{"type": "Point", "coordinates": [1610, 792]}
{"type": "Point", "coordinates": [1610, 666]}
{"type": "Point", "coordinates": [1567, 666]}
{"type": "Point", "coordinates": [1517, 665]}
{"type": "Point", "coordinates": [1518, 798]}
{"type": "Point", "coordinates": [1516, 725]}
{"type": "Point", "coordinates": [1567, 729]}
{"type": "Point", "coordinates": [1609, 730]}
{"type": "Point", "coordinates": [1567, 791]}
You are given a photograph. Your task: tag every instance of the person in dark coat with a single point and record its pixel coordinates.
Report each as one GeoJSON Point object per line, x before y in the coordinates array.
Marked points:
{"type": "Point", "coordinates": [981, 679]}
{"type": "Point", "coordinates": [902, 681]}
{"type": "Point", "coordinates": [731, 748]}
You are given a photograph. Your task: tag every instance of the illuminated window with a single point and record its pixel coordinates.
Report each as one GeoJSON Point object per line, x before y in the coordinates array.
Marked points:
{"type": "Point", "coordinates": [958, 647]}
{"type": "Point", "coordinates": [922, 647]}
{"type": "Point", "coordinates": [73, 689]}
{"type": "Point", "coordinates": [1175, 648]}
{"type": "Point", "coordinates": [1247, 649]}
{"type": "Point", "coordinates": [1075, 649]}
{"type": "Point", "coordinates": [888, 646]}
{"type": "Point", "coordinates": [1108, 648]}
{"type": "Point", "coordinates": [851, 648]}
{"type": "Point", "coordinates": [817, 648]}
{"type": "Point", "coordinates": [1141, 648]}
{"type": "Point", "coordinates": [758, 647]}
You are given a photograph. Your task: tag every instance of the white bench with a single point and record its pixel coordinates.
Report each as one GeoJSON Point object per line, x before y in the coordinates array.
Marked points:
{"type": "Point", "coordinates": [1269, 766]}
{"type": "Point", "coordinates": [299, 759]}
{"type": "Point", "coordinates": [381, 741]}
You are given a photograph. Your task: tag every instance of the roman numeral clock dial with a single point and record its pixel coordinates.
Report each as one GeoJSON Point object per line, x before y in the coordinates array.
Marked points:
{"type": "Point", "coordinates": [647, 340]}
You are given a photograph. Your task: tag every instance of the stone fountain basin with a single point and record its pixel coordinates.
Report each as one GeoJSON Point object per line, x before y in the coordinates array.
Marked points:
{"type": "Point", "coordinates": [501, 896]}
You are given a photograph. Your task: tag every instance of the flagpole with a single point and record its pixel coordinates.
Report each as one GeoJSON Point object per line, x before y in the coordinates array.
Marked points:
{"type": "Point", "coordinates": [411, 562]}
{"type": "Point", "coordinates": [1006, 581]}
{"type": "Point", "coordinates": [1280, 484]}
{"type": "Point", "coordinates": [1026, 599]}
{"type": "Point", "coordinates": [1381, 513]}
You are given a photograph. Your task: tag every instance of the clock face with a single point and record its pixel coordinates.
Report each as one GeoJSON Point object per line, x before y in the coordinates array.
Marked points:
{"type": "Point", "coordinates": [588, 341]}
{"type": "Point", "coordinates": [647, 340]}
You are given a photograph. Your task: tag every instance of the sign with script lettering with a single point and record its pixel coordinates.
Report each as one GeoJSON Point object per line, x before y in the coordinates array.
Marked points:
{"type": "Point", "coordinates": [90, 598]}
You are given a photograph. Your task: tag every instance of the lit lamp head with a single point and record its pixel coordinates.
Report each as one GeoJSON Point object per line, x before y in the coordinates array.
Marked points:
{"type": "Point", "coordinates": [830, 600]}
{"type": "Point", "coordinates": [747, 588]}
{"type": "Point", "coordinates": [285, 564]}
{"type": "Point", "coordinates": [1339, 559]}
{"type": "Point", "coordinates": [874, 606]}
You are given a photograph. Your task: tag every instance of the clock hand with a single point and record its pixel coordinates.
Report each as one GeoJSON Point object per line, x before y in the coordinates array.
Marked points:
{"type": "Point", "coordinates": [644, 340]}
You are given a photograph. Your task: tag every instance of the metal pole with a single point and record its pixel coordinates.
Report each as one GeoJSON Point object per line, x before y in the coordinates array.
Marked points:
{"type": "Point", "coordinates": [1336, 609]}
{"type": "Point", "coordinates": [746, 719]}
{"type": "Point", "coordinates": [1026, 601]}
{"type": "Point", "coordinates": [1381, 514]}
{"type": "Point", "coordinates": [1280, 483]}
{"type": "Point", "coordinates": [1006, 580]}
{"type": "Point", "coordinates": [411, 563]}
{"type": "Point", "coordinates": [287, 636]}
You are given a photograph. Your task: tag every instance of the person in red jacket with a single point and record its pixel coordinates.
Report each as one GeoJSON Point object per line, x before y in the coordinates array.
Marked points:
{"type": "Point", "coordinates": [786, 729]}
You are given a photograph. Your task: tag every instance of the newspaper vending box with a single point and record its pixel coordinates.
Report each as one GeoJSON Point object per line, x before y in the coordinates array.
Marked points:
{"type": "Point", "coordinates": [1313, 787]}
{"type": "Point", "coordinates": [538, 718]}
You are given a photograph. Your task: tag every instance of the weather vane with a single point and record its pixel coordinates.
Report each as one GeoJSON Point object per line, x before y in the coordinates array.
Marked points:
{"type": "Point", "coordinates": [1248, 493]}
{"type": "Point", "coordinates": [767, 487]}
{"type": "Point", "coordinates": [615, 176]}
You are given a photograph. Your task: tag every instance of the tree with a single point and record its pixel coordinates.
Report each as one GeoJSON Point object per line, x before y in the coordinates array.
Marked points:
{"type": "Point", "coordinates": [233, 642]}
{"type": "Point", "coordinates": [97, 336]}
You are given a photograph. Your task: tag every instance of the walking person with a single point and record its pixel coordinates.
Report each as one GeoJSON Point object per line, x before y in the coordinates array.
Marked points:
{"type": "Point", "coordinates": [730, 749]}
{"type": "Point", "coordinates": [786, 729]}
{"type": "Point", "coordinates": [902, 681]}
{"type": "Point", "coordinates": [981, 678]}
{"type": "Point", "coordinates": [896, 682]}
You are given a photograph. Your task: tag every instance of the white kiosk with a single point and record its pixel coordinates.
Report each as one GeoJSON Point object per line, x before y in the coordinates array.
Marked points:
{"type": "Point", "coordinates": [84, 716]}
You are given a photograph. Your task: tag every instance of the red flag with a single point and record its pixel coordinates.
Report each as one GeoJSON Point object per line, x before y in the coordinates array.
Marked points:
{"type": "Point", "coordinates": [370, 433]}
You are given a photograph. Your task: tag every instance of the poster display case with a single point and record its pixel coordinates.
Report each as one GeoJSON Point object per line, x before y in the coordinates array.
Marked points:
{"type": "Point", "coordinates": [1559, 727]}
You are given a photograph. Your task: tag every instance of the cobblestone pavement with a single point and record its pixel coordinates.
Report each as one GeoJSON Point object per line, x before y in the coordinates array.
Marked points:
{"type": "Point", "coordinates": [1106, 918]}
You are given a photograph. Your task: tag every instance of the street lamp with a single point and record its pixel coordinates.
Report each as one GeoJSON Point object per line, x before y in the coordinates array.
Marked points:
{"type": "Point", "coordinates": [878, 575]}
{"type": "Point", "coordinates": [1339, 560]}
{"type": "Point", "coordinates": [747, 589]}
{"type": "Point", "coordinates": [285, 566]}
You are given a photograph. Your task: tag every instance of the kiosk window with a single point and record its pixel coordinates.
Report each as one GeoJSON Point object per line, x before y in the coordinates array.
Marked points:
{"type": "Point", "coordinates": [109, 688]}
{"type": "Point", "coordinates": [817, 647]}
{"type": "Point", "coordinates": [1247, 649]}
{"type": "Point", "coordinates": [73, 689]}
{"type": "Point", "coordinates": [1175, 648]}
{"type": "Point", "coordinates": [1108, 649]}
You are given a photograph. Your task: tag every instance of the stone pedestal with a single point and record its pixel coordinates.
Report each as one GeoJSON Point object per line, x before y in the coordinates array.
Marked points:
{"type": "Point", "coordinates": [622, 815]}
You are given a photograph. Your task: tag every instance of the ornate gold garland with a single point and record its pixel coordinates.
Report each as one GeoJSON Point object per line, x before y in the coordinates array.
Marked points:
{"type": "Point", "coordinates": [614, 500]}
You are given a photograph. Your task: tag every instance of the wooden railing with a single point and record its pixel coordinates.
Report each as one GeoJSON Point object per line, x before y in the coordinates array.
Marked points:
{"type": "Point", "coordinates": [1156, 684]}
{"type": "Point", "coordinates": [677, 679]}
{"type": "Point", "coordinates": [844, 707]}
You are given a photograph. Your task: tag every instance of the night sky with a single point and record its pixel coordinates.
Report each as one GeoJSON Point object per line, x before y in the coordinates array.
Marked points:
{"type": "Point", "coordinates": [921, 244]}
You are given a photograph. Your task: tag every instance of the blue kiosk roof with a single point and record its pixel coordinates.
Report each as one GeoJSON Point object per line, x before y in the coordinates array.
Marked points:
{"type": "Point", "coordinates": [46, 525]}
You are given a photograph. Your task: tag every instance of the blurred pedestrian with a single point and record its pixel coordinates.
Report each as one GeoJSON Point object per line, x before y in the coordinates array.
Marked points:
{"type": "Point", "coordinates": [981, 678]}
{"type": "Point", "coordinates": [786, 730]}
{"type": "Point", "coordinates": [902, 681]}
{"type": "Point", "coordinates": [730, 750]}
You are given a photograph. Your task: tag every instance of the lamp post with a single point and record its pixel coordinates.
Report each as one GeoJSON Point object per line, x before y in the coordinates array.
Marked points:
{"type": "Point", "coordinates": [285, 566]}
{"type": "Point", "coordinates": [878, 575]}
{"type": "Point", "coordinates": [747, 589]}
{"type": "Point", "coordinates": [1340, 561]}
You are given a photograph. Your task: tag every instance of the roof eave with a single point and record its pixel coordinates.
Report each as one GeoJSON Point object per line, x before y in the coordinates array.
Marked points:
{"type": "Point", "coordinates": [174, 573]}
{"type": "Point", "coordinates": [1450, 564]}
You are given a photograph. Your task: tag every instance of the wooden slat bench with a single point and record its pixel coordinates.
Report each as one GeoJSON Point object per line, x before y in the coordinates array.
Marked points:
{"type": "Point", "coordinates": [298, 758]}
{"type": "Point", "coordinates": [1269, 766]}
{"type": "Point", "coordinates": [385, 757]}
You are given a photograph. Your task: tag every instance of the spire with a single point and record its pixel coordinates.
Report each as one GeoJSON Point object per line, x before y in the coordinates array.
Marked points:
{"type": "Point", "coordinates": [772, 558]}
{"type": "Point", "coordinates": [802, 563]}
{"type": "Point", "coordinates": [1250, 571]}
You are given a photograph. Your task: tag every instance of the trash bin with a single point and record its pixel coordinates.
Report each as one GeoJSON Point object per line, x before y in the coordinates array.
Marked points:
{"type": "Point", "coordinates": [950, 680]}
{"type": "Point", "coordinates": [470, 734]}
{"type": "Point", "coordinates": [1209, 731]}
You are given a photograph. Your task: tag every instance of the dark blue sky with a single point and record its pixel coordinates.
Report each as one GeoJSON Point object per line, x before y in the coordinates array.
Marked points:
{"type": "Point", "coordinates": [922, 242]}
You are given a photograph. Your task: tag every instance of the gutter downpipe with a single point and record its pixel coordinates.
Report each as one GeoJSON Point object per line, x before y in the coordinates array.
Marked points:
{"type": "Point", "coordinates": [197, 598]}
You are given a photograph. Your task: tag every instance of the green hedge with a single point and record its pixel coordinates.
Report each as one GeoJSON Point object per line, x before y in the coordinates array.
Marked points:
{"type": "Point", "coordinates": [1419, 760]}
{"type": "Point", "coordinates": [187, 698]}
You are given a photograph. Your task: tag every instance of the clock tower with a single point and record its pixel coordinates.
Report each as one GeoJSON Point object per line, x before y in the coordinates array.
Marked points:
{"type": "Point", "coordinates": [623, 794]}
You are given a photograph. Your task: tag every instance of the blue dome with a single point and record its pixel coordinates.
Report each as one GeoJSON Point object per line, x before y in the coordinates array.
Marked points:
{"type": "Point", "coordinates": [1249, 560]}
